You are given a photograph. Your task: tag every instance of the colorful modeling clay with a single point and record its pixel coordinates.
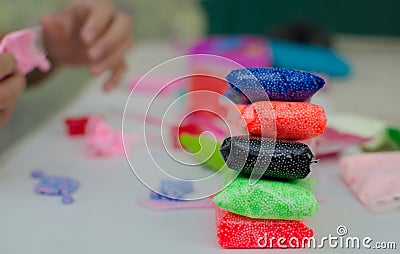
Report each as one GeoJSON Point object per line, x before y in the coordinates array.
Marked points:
{"type": "Point", "coordinates": [22, 45]}
{"type": "Point", "coordinates": [277, 83]}
{"type": "Point", "coordinates": [278, 159]}
{"type": "Point", "coordinates": [76, 125]}
{"type": "Point", "coordinates": [290, 120]}
{"type": "Point", "coordinates": [55, 185]}
{"type": "Point", "coordinates": [236, 231]}
{"type": "Point", "coordinates": [205, 150]}
{"type": "Point", "coordinates": [268, 199]}
{"type": "Point", "coordinates": [374, 178]}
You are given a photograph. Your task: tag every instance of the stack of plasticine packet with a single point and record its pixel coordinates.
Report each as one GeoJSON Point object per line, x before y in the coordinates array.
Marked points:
{"type": "Point", "coordinates": [269, 212]}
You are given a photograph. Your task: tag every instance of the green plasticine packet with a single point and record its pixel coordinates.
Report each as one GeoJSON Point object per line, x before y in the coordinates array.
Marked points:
{"type": "Point", "coordinates": [268, 199]}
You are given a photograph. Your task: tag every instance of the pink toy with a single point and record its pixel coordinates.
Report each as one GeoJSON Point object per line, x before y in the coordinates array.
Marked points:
{"type": "Point", "coordinates": [24, 46]}
{"type": "Point", "coordinates": [374, 178]}
{"type": "Point", "coordinates": [157, 85]}
{"type": "Point", "coordinates": [101, 140]}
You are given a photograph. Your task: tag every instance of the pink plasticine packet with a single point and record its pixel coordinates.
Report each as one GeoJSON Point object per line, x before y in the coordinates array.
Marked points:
{"type": "Point", "coordinates": [374, 178]}
{"type": "Point", "coordinates": [28, 55]}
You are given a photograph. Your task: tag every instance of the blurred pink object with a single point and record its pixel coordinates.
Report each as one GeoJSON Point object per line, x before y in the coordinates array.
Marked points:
{"type": "Point", "coordinates": [374, 178]}
{"type": "Point", "coordinates": [333, 141]}
{"type": "Point", "coordinates": [102, 140]}
{"type": "Point", "coordinates": [27, 48]}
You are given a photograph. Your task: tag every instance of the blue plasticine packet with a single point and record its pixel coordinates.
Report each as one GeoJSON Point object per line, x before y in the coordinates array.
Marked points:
{"type": "Point", "coordinates": [276, 84]}
{"type": "Point", "coordinates": [308, 58]}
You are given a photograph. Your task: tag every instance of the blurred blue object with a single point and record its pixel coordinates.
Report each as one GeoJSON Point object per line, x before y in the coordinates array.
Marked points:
{"type": "Point", "coordinates": [308, 58]}
{"type": "Point", "coordinates": [173, 190]}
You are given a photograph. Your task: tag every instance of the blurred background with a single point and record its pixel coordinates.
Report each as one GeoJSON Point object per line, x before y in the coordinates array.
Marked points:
{"type": "Point", "coordinates": [360, 30]}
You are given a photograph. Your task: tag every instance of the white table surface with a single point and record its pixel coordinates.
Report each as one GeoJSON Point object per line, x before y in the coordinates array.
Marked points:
{"type": "Point", "coordinates": [105, 217]}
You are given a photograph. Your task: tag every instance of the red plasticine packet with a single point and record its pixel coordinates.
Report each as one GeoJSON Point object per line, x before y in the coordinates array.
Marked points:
{"type": "Point", "coordinates": [238, 232]}
{"type": "Point", "coordinates": [290, 120]}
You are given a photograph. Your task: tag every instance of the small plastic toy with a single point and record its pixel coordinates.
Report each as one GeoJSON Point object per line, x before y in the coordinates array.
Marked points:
{"type": "Point", "coordinates": [55, 186]}
{"type": "Point", "coordinates": [26, 46]}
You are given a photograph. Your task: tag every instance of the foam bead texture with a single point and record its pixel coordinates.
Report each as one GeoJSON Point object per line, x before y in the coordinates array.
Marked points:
{"type": "Point", "coordinates": [268, 199]}
{"type": "Point", "coordinates": [279, 84]}
{"type": "Point", "coordinates": [266, 157]}
{"type": "Point", "coordinates": [286, 120]}
{"type": "Point", "coordinates": [236, 231]}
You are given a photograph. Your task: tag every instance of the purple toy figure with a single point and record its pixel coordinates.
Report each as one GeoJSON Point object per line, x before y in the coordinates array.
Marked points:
{"type": "Point", "coordinates": [55, 185]}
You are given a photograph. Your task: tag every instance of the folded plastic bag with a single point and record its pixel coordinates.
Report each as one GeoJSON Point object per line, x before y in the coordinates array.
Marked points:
{"type": "Point", "coordinates": [267, 157]}
{"type": "Point", "coordinates": [269, 199]}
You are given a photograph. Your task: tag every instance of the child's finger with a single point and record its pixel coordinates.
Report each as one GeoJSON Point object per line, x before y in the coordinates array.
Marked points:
{"type": "Point", "coordinates": [114, 58]}
{"type": "Point", "coordinates": [7, 65]}
{"type": "Point", "coordinates": [116, 76]}
{"type": "Point", "coordinates": [101, 14]}
{"type": "Point", "coordinates": [118, 31]}
{"type": "Point", "coordinates": [10, 88]}
{"type": "Point", "coordinates": [5, 114]}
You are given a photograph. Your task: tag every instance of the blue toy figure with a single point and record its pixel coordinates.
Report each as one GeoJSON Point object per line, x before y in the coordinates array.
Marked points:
{"type": "Point", "coordinates": [55, 185]}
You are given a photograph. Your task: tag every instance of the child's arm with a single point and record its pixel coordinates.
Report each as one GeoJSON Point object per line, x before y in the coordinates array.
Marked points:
{"type": "Point", "coordinates": [12, 83]}
{"type": "Point", "coordinates": [89, 32]}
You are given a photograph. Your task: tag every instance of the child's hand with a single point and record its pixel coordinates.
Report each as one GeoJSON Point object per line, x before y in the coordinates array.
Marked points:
{"type": "Point", "coordinates": [12, 83]}
{"type": "Point", "coordinates": [89, 32]}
